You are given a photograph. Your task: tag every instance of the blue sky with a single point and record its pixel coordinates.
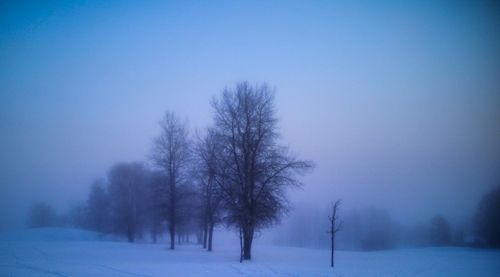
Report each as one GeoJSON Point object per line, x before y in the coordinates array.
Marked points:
{"type": "Point", "coordinates": [389, 98]}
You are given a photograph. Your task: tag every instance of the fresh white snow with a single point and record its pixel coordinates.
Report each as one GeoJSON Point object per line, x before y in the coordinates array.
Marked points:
{"type": "Point", "coordinates": [69, 252]}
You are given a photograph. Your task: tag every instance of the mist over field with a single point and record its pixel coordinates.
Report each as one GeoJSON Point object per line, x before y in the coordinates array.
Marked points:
{"type": "Point", "coordinates": [392, 107]}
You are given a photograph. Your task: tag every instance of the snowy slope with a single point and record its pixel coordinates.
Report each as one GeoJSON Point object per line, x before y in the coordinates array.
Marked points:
{"type": "Point", "coordinates": [59, 252]}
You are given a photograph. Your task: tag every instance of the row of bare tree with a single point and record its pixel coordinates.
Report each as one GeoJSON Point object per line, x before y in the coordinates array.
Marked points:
{"type": "Point", "coordinates": [235, 172]}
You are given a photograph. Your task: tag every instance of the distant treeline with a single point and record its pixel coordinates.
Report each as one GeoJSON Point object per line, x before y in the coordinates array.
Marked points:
{"type": "Point", "coordinates": [369, 229]}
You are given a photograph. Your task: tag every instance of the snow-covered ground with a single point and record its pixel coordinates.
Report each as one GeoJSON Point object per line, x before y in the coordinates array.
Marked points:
{"type": "Point", "coordinates": [66, 252]}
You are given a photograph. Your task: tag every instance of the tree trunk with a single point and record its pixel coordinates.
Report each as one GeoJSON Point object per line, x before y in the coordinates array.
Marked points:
{"type": "Point", "coordinates": [210, 236]}
{"type": "Point", "coordinates": [333, 247]}
{"type": "Point", "coordinates": [172, 238]}
{"type": "Point", "coordinates": [173, 206]}
{"type": "Point", "coordinates": [205, 235]}
{"type": "Point", "coordinates": [199, 237]}
{"type": "Point", "coordinates": [205, 229]}
{"type": "Point", "coordinates": [241, 246]}
{"type": "Point", "coordinates": [130, 234]}
{"type": "Point", "coordinates": [247, 243]}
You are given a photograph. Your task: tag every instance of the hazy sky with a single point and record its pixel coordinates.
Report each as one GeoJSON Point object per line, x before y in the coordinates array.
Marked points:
{"type": "Point", "coordinates": [398, 103]}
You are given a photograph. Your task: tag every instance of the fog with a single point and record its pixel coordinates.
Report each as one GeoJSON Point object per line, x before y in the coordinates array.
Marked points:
{"type": "Point", "coordinates": [397, 104]}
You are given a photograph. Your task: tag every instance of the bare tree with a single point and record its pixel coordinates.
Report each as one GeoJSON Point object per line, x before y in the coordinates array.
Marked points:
{"type": "Point", "coordinates": [487, 219]}
{"type": "Point", "coordinates": [206, 153]}
{"type": "Point", "coordinates": [78, 216]}
{"type": "Point", "coordinates": [439, 231]}
{"type": "Point", "coordinates": [98, 207]}
{"type": "Point", "coordinates": [335, 224]}
{"type": "Point", "coordinates": [155, 203]}
{"type": "Point", "coordinates": [254, 168]}
{"type": "Point", "coordinates": [41, 215]}
{"type": "Point", "coordinates": [188, 208]}
{"type": "Point", "coordinates": [126, 187]}
{"type": "Point", "coordinates": [171, 153]}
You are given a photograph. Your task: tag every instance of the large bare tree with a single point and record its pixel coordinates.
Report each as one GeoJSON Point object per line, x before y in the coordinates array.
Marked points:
{"type": "Point", "coordinates": [255, 168]}
{"type": "Point", "coordinates": [171, 154]}
{"type": "Point", "coordinates": [206, 151]}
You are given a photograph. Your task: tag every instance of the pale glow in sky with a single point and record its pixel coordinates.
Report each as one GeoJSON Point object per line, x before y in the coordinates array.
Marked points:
{"type": "Point", "coordinates": [396, 103]}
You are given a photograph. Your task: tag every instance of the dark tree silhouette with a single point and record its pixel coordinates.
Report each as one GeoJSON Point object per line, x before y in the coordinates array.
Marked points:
{"type": "Point", "coordinates": [378, 232]}
{"type": "Point", "coordinates": [255, 169]}
{"type": "Point", "coordinates": [171, 154]}
{"type": "Point", "coordinates": [127, 182]}
{"type": "Point", "coordinates": [439, 231]}
{"type": "Point", "coordinates": [155, 209]}
{"type": "Point", "coordinates": [206, 152]}
{"type": "Point", "coordinates": [335, 224]}
{"type": "Point", "coordinates": [78, 216]}
{"type": "Point", "coordinates": [41, 215]}
{"type": "Point", "coordinates": [488, 218]}
{"type": "Point", "coordinates": [98, 207]}
{"type": "Point", "coordinates": [187, 211]}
